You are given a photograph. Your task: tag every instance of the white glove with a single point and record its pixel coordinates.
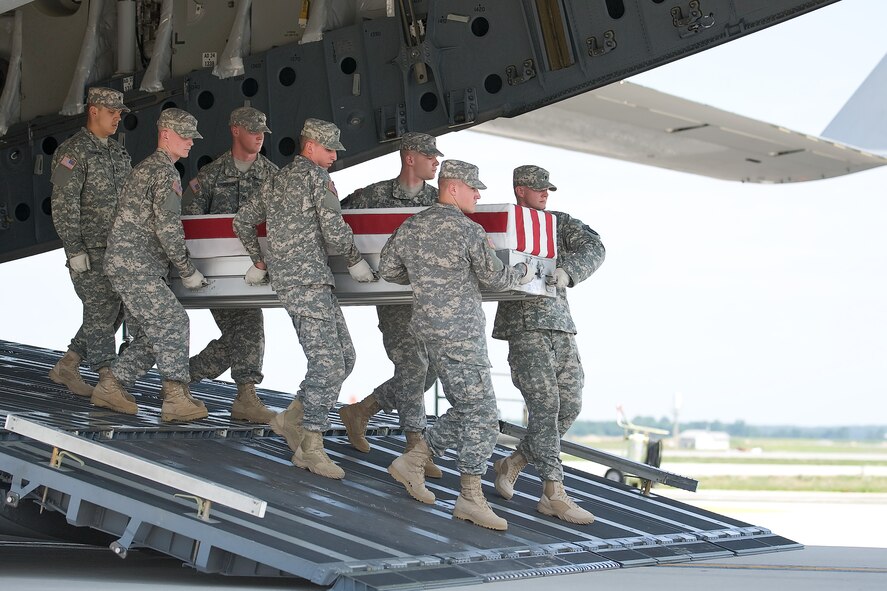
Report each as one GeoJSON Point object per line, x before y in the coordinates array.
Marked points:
{"type": "Point", "coordinates": [362, 272]}
{"type": "Point", "coordinates": [195, 281]}
{"type": "Point", "coordinates": [79, 263]}
{"type": "Point", "coordinates": [256, 276]}
{"type": "Point", "coordinates": [526, 272]}
{"type": "Point", "coordinates": [560, 279]}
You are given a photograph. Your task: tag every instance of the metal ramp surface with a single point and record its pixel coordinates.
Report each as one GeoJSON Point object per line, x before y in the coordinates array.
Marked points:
{"type": "Point", "coordinates": [363, 532]}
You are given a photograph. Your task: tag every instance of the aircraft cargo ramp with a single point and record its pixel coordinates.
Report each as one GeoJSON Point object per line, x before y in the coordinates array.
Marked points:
{"type": "Point", "coordinates": [223, 497]}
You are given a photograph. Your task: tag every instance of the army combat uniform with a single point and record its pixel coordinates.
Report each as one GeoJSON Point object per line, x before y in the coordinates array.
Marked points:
{"type": "Point", "coordinates": [542, 353]}
{"type": "Point", "coordinates": [405, 391]}
{"type": "Point", "coordinates": [303, 217]}
{"type": "Point", "coordinates": [221, 188]}
{"type": "Point", "coordinates": [445, 257]}
{"type": "Point", "coordinates": [87, 175]}
{"type": "Point", "coordinates": [146, 237]}
{"type": "Point", "coordinates": [544, 360]}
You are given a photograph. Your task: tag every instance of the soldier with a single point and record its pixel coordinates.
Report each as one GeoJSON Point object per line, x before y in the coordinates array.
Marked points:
{"type": "Point", "coordinates": [88, 171]}
{"type": "Point", "coordinates": [445, 257]}
{"type": "Point", "coordinates": [146, 237]}
{"type": "Point", "coordinates": [542, 353]}
{"type": "Point", "coordinates": [303, 218]}
{"type": "Point", "coordinates": [223, 186]}
{"type": "Point", "coordinates": [405, 391]}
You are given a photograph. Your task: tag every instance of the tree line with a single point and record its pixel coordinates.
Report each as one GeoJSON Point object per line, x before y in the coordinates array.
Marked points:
{"type": "Point", "coordinates": [738, 429]}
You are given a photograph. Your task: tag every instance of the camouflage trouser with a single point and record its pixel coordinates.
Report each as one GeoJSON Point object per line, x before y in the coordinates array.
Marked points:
{"type": "Point", "coordinates": [405, 391]}
{"type": "Point", "coordinates": [241, 347]}
{"type": "Point", "coordinates": [324, 337]}
{"type": "Point", "coordinates": [470, 426]}
{"type": "Point", "coordinates": [546, 368]}
{"type": "Point", "coordinates": [164, 330]}
{"type": "Point", "coordinates": [102, 313]}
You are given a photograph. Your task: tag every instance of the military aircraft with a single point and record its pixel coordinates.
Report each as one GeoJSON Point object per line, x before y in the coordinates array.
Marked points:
{"type": "Point", "coordinates": [432, 66]}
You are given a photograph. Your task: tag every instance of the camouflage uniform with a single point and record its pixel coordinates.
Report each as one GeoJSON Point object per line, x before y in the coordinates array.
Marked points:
{"type": "Point", "coordinates": [405, 391]}
{"type": "Point", "coordinates": [87, 175]}
{"type": "Point", "coordinates": [221, 188]}
{"type": "Point", "coordinates": [303, 218]}
{"type": "Point", "coordinates": [147, 236]}
{"type": "Point", "coordinates": [446, 257]}
{"type": "Point", "coordinates": [542, 352]}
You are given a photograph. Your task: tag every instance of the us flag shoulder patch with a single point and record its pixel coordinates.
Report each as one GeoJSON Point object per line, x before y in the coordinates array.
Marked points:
{"type": "Point", "coordinates": [195, 186]}
{"type": "Point", "coordinates": [332, 187]}
{"type": "Point", "coordinates": [177, 187]}
{"type": "Point", "coordinates": [68, 162]}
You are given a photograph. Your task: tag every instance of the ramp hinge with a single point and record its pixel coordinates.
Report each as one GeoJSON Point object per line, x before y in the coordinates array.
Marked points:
{"type": "Point", "coordinates": [526, 73]}
{"type": "Point", "coordinates": [607, 45]}
{"type": "Point", "coordinates": [694, 22]}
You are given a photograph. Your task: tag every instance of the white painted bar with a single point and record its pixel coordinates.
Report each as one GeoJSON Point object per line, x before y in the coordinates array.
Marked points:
{"type": "Point", "coordinates": [153, 471]}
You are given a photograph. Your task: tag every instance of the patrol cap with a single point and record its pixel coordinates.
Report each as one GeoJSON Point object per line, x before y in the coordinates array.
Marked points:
{"type": "Point", "coordinates": [323, 132]}
{"type": "Point", "coordinates": [179, 121]}
{"type": "Point", "coordinates": [461, 171]}
{"type": "Point", "coordinates": [420, 142]}
{"type": "Point", "coordinates": [252, 120]}
{"type": "Point", "coordinates": [534, 177]}
{"type": "Point", "coordinates": [106, 97]}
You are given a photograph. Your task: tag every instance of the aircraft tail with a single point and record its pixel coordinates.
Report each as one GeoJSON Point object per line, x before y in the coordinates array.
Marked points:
{"type": "Point", "coordinates": [862, 122]}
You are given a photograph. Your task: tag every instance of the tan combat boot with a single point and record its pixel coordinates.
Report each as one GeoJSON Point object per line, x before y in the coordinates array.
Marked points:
{"type": "Point", "coordinates": [355, 417]}
{"type": "Point", "coordinates": [431, 471]}
{"type": "Point", "coordinates": [554, 502]}
{"type": "Point", "coordinates": [247, 406]}
{"type": "Point", "coordinates": [110, 393]}
{"type": "Point", "coordinates": [507, 471]}
{"type": "Point", "coordinates": [314, 457]}
{"type": "Point", "coordinates": [288, 424]}
{"type": "Point", "coordinates": [472, 506]}
{"type": "Point", "coordinates": [178, 406]}
{"type": "Point", "coordinates": [409, 470]}
{"type": "Point", "coordinates": [67, 373]}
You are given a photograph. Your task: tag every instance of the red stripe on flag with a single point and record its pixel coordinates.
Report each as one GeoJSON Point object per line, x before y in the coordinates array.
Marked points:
{"type": "Point", "coordinates": [374, 223]}
{"type": "Point", "coordinates": [537, 232]}
{"type": "Point", "coordinates": [196, 229]}
{"type": "Point", "coordinates": [493, 222]}
{"type": "Point", "coordinates": [549, 221]}
{"type": "Point", "coordinates": [519, 228]}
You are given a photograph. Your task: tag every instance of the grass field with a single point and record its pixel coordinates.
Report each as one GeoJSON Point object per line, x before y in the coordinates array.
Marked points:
{"type": "Point", "coordinates": [859, 484]}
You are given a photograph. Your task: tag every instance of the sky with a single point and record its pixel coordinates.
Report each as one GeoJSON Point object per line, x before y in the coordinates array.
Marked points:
{"type": "Point", "coordinates": [760, 303]}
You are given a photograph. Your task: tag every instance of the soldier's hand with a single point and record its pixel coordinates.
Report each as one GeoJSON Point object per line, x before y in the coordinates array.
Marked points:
{"type": "Point", "coordinates": [79, 263]}
{"type": "Point", "coordinates": [560, 279]}
{"type": "Point", "coordinates": [362, 272]}
{"type": "Point", "coordinates": [195, 281]}
{"type": "Point", "coordinates": [256, 276]}
{"type": "Point", "coordinates": [526, 272]}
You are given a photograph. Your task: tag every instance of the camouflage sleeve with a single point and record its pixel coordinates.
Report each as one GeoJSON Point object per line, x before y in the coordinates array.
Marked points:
{"type": "Point", "coordinates": [197, 195]}
{"type": "Point", "coordinates": [166, 196]}
{"type": "Point", "coordinates": [247, 218]}
{"type": "Point", "coordinates": [584, 251]}
{"type": "Point", "coordinates": [490, 270]}
{"type": "Point", "coordinates": [391, 266]}
{"type": "Point", "coordinates": [68, 177]}
{"type": "Point", "coordinates": [336, 233]}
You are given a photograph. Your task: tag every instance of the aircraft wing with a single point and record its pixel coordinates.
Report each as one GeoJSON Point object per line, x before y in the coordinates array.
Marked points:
{"type": "Point", "coordinates": [635, 123]}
